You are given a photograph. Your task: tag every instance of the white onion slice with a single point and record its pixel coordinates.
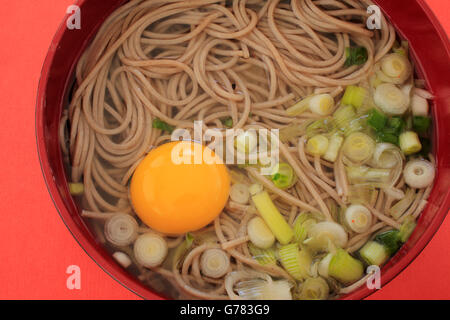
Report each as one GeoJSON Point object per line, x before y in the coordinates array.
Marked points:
{"type": "Point", "coordinates": [150, 249]}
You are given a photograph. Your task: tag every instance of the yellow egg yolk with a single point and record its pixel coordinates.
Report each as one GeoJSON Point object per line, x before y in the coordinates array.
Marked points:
{"type": "Point", "coordinates": [173, 196]}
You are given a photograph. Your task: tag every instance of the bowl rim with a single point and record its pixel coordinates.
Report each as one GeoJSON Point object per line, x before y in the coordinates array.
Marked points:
{"type": "Point", "coordinates": [145, 292]}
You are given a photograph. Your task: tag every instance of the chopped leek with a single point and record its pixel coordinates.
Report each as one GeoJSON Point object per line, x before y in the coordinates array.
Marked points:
{"type": "Point", "coordinates": [354, 96]}
{"type": "Point", "coordinates": [321, 233]}
{"type": "Point", "coordinates": [239, 193]}
{"type": "Point", "coordinates": [121, 229]}
{"type": "Point", "coordinates": [365, 174]}
{"type": "Point", "coordinates": [358, 218]}
{"type": "Point", "coordinates": [150, 250]}
{"type": "Point", "coordinates": [214, 263]}
{"type": "Point", "coordinates": [319, 127]}
{"type": "Point", "coordinates": [322, 104]}
{"type": "Point", "coordinates": [334, 146]}
{"type": "Point", "coordinates": [344, 268]}
{"type": "Point", "coordinates": [358, 147]}
{"type": "Point", "coordinates": [273, 218]}
{"type": "Point", "coordinates": [391, 99]}
{"type": "Point", "coordinates": [355, 56]}
{"type": "Point", "coordinates": [409, 142]}
{"type": "Point", "coordinates": [374, 253]}
{"type": "Point", "coordinates": [314, 289]}
{"type": "Point", "coordinates": [387, 156]}
{"type": "Point", "coordinates": [283, 176]}
{"type": "Point", "coordinates": [421, 124]}
{"type": "Point", "coordinates": [387, 137]}
{"type": "Point", "coordinates": [395, 125]}
{"type": "Point", "coordinates": [295, 261]}
{"type": "Point", "coordinates": [161, 125]}
{"type": "Point", "coordinates": [317, 145]}
{"type": "Point", "coordinates": [397, 67]}
{"type": "Point", "coordinates": [261, 289]}
{"type": "Point", "coordinates": [407, 229]}
{"type": "Point", "coordinates": [76, 189]}
{"type": "Point", "coordinates": [390, 240]}
{"type": "Point", "coordinates": [419, 173]}
{"type": "Point", "coordinates": [301, 226]}
{"type": "Point", "coordinates": [263, 256]}
{"type": "Point", "coordinates": [343, 116]}
{"type": "Point", "coordinates": [324, 265]}
{"type": "Point", "coordinates": [419, 106]}
{"type": "Point", "coordinates": [259, 233]}
{"type": "Point", "coordinates": [299, 107]}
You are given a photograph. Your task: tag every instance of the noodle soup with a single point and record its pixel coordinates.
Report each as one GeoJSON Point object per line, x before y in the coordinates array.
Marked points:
{"type": "Point", "coordinates": [352, 133]}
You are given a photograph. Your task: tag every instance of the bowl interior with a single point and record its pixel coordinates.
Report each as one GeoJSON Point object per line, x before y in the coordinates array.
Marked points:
{"type": "Point", "coordinates": [413, 20]}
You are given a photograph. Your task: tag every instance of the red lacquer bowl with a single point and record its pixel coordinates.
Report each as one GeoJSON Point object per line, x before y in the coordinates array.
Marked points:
{"type": "Point", "coordinates": [413, 20]}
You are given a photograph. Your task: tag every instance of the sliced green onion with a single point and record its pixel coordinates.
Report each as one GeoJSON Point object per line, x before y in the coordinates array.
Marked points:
{"type": "Point", "coordinates": [343, 116]}
{"type": "Point", "coordinates": [387, 137]}
{"type": "Point", "coordinates": [317, 145]}
{"type": "Point", "coordinates": [273, 218]}
{"type": "Point", "coordinates": [76, 189]}
{"type": "Point", "coordinates": [121, 229]}
{"type": "Point", "coordinates": [358, 218]}
{"type": "Point", "coordinates": [161, 125]}
{"type": "Point", "coordinates": [260, 234]}
{"type": "Point", "coordinates": [314, 289]}
{"type": "Point", "coordinates": [319, 127]}
{"type": "Point", "coordinates": [395, 125]}
{"type": "Point", "coordinates": [295, 261]}
{"type": "Point", "coordinates": [239, 193]}
{"type": "Point", "coordinates": [263, 256]}
{"type": "Point", "coordinates": [409, 142]}
{"type": "Point", "coordinates": [344, 268]}
{"type": "Point", "coordinates": [322, 104]}
{"type": "Point", "coordinates": [214, 263]}
{"type": "Point", "coordinates": [301, 226]}
{"type": "Point", "coordinates": [283, 176]}
{"type": "Point", "coordinates": [387, 156]}
{"type": "Point", "coordinates": [354, 96]}
{"type": "Point", "coordinates": [407, 229]}
{"type": "Point", "coordinates": [358, 147]}
{"type": "Point", "coordinates": [397, 67]}
{"type": "Point", "coordinates": [299, 107]}
{"type": "Point", "coordinates": [376, 120]}
{"type": "Point", "coordinates": [390, 240]}
{"type": "Point", "coordinates": [365, 174]}
{"type": "Point", "coordinates": [419, 106]}
{"type": "Point", "coordinates": [391, 99]}
{"type": "Point", "coordinates": [334, 146]}
{"type": "Point", "coordinates": [419, 173]}
{"type": "Point", "coordinates": [150, 250]}
{"type": "Point", "coordinates": [355, 56]}
{"type": "Point", "coordinates": [227, 122]}
{"type": "Point", "coordinates": [262, 289]}
{"type": "Point", "coordinates": [374, 253]}
{"type": "Point", "coordinates": [421, 124]}
{"type": "Point", "coordinates": [321, 233]}
{"type": "Point", "coordinates": [324, 265]}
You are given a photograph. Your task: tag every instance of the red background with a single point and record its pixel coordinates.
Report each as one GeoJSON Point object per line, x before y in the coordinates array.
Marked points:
{"type": "Point", "coordinates": [35, 246]}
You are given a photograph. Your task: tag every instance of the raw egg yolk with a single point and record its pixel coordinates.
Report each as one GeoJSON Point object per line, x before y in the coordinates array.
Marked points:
{"type": "Point", "coordinates": [175, 195]}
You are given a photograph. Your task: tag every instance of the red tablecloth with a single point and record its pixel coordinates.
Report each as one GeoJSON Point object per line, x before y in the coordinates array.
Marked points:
{"type": "Point", "coordinates": [35, 246]}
